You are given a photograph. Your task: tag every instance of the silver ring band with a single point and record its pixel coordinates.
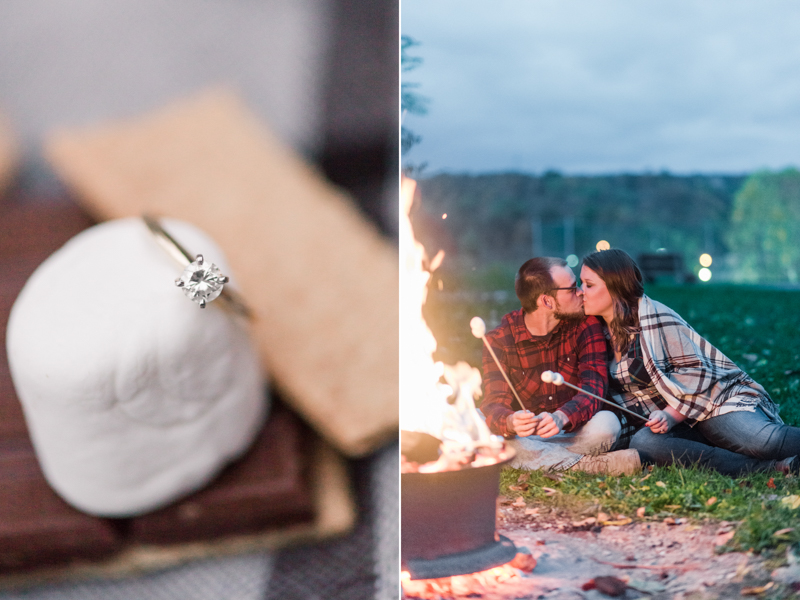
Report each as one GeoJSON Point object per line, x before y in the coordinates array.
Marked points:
{"type": "Point", "coordinates": [228, 297]}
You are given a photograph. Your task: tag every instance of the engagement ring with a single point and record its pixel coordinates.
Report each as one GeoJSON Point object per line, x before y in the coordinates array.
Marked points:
{"type": "Point", "coordinates": [201, 280]}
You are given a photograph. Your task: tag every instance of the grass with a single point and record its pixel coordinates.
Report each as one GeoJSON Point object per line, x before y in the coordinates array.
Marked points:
{"type": "Point", "coordinates": [674, 492]}
{"type": "Point", "coordinates": [757, 328]}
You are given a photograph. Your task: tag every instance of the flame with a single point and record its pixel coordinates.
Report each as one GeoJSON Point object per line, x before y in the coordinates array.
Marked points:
{"type": "Point", "coordinates": [422, 398]}
{"type": "Point", "coordinates": [446, 411]}
{"type": "Point", "coordinates": [481, 582]}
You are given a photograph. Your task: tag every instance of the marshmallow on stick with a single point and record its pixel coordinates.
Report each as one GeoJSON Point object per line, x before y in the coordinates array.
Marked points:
{"type": "Point", "coordinates": [558, 379]}
{"type": "Point", "coordinates": [478, 328]}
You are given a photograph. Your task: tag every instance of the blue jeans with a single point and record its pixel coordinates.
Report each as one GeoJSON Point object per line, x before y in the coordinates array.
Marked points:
{"type": "Point", "coordinates": [563, 450]}
{"type": "Point", "coordinates": [734, 444]}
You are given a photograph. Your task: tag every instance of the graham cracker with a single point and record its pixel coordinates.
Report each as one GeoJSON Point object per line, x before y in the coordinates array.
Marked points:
{"type": "Point", "coordinates": [321, 280]}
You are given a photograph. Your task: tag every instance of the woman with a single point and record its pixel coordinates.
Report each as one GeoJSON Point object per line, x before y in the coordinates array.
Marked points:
{"type": "Point", "coordinates": [701, 408]}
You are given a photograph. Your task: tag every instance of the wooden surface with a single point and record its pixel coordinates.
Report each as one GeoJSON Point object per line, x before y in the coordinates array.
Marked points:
{"type": "Point", "coordinates": [288, 487]}
{"type": "Point", "coordinates": [322, 281]}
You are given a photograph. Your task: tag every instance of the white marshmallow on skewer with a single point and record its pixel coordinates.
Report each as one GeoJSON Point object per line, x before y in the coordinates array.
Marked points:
{"type": "Point", "coordinates": [479, 331]}
{"type": "Point", "coordinates": [558, 379]}
{"type": "Point", "coordinates": [554, 378]}
{"type": "Point", "coordinates": [478, 327]}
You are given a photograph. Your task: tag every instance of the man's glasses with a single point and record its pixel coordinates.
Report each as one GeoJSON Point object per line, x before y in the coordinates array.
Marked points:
{"type": "Point", "coordinates": [573, 288]}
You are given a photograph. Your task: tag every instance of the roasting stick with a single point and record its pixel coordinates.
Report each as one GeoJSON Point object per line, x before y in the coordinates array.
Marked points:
{"type": "Point", "coordinates": [479, 331]}
{"type": "Point", "coordinates": [558, 379]}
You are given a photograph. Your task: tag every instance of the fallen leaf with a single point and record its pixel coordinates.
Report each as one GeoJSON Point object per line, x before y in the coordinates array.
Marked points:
{"type": "Point", "coordinates": [619, 517]}
{"type": "Point", "coordinates": [723, 538]}
{"type": "Point", "coordinates": [661, 484]}
{"type": "Point", "coordinates": [711, 500]}
{"type": "Point", "coordinates": [523, 477]}
{"type": "Point", "coordinates": [519, 488]}
{"type": "Point", "coordinates": [755, 591]}
{"type": "Point", "coordinates": [519, 502]}
{"type": "Point", "coordinates": [784, 531]}
{"type": "Point", "coordinates": [644, 488]}
{"type": "Point", "coordinates": [608, 585]}
{"type": "Point", "coordinates": [601, 516]}
{"type": "Point", "coordinates": [623, 521]}
{"type": "Point", "coordinates": [531, 511]}
{"type": "Point", "coordinates": [645, 478]}
{"type": "Point", "coordinates": [792, 501]}
{"type": "Point", "coordinates": [584, 522]}
{"type": "Point", "coordinates": [640, 512]}
{"type": "Point", "coordinates": [771, 483]}
{"type": "Point", "coordinates": [669, 521]}
{"type": "Point", "coordinates": [549, 491]}
{"type": "Point", "coordinates": [523, 562]}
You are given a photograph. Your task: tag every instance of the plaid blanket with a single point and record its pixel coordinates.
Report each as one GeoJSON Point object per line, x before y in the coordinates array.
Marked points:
{"type": "Point", "coordinates": [690, 374]}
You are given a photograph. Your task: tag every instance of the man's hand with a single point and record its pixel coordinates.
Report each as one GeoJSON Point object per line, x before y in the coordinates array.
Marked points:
{"type": "Point", "coordinates": [523, 423]}
{"type": "Point", "coordinates": [551, 424]}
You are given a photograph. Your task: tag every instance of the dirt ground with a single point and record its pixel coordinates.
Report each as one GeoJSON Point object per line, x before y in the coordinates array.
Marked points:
{"type": "Point", "coordinates": [656, 560]}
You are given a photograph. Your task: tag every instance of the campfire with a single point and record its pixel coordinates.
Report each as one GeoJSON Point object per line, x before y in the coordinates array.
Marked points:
{"type": "Point", "coordinates": [444, 410]}
{"type": "Point", "coordinates": [450, 461]}
{"type": "Point", "coordinates": [480, 582]}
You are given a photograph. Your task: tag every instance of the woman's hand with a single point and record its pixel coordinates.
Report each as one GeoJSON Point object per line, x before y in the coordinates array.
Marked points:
{"type": "Point", "coordinates": [661, 421]}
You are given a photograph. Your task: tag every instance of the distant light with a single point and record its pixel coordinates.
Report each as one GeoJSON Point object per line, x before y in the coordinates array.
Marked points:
{"type": "Point", "coordinates": [705, 260]}
{"type": "Point", "coordinates": [661, 250]}
{"type": "Point", "coordinates": [704, 274]}
{"type": "Point", "coordinates": [572, 261]}
{"type": "Point", "coordinates": [444, 216]}
{"type": "Point", "coordinates": [603, 245]}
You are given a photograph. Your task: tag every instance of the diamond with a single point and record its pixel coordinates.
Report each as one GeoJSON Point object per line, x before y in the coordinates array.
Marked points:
{"type": "Point", "coordinates": [201, 281]}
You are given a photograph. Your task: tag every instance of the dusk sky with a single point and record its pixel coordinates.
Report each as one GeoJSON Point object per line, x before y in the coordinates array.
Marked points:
{"type": "Point", "coordinates": [605, 86]}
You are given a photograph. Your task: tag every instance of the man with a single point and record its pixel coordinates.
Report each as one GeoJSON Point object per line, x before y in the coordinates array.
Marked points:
{"type": "Point", "coordinates": [555, 426]}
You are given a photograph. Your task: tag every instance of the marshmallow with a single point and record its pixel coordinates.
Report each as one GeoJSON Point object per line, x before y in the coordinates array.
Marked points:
{"type": "Point", "coordinates": [134, 396]}
{"type": "Point", "coordinates": [478, 327]}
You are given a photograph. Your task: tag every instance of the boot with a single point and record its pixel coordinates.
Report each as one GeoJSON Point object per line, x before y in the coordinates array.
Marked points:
{"type": "Point", "coordinates": [621, 462]}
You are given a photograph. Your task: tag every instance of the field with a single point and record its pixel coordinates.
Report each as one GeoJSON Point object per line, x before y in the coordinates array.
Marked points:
{"type": "Point", "coordinates": [757, 328]}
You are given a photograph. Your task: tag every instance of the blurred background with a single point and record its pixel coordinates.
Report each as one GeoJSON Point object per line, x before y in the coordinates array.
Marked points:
{"type": "Point", "coordinates": [323, 75]}
{"type": "Point", "coordinates": [558, 128]}
{"type": "Point", "coordinates": [660, 129]}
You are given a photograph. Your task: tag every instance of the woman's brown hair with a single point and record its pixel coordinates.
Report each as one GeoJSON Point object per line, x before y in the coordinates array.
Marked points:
{"type": "Point", "coordinates": [624, 282]}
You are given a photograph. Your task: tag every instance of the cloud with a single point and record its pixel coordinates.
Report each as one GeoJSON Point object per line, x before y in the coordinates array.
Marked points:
{"type": "Point", "coordinates": [586, 86]}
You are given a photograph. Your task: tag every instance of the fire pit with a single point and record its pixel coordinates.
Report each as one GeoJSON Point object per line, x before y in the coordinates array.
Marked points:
{"type": "Point", "coordinates": [448, 522]}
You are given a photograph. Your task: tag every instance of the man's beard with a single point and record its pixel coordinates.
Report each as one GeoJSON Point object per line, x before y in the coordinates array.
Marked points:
{"type": "Point", "coordinates": [565, 316]}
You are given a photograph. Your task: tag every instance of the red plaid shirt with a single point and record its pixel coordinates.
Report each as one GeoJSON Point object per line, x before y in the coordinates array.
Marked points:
{"type": "Point", "coordinates": [576, 349]}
